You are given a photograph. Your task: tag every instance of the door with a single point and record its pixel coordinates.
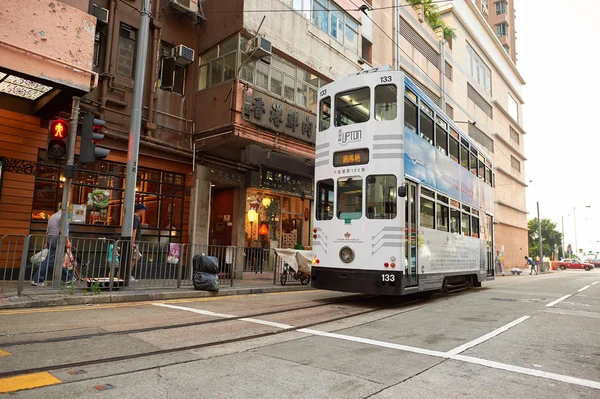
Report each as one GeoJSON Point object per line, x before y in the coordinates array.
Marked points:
{"type": "Point", "coordinates": [221, 217]}
{"type": "Point", "coordinates": [411, 240]}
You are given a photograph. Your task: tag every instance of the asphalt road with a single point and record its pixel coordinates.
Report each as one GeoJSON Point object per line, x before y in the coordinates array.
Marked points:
{"type": "Point", "coordinates": [518, 336]}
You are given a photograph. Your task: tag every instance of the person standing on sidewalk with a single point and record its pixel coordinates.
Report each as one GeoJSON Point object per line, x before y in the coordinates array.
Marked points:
{"type": "Point", "coordinates": [136, 237]}
{"type": "Point", "coordinates": [52, 235]}
{"type": "Point", "coordinates": [499, 261]}
{"type": "Point", "coordinates": [529, 261]}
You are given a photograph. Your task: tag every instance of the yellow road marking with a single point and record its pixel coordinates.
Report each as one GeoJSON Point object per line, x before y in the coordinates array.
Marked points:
{"type": "Point", "coordinates": [4, 353]}
{"type": "Point", "coordinates": [27, 381]}
{"type": "Point", "coordinates": [144, 303]}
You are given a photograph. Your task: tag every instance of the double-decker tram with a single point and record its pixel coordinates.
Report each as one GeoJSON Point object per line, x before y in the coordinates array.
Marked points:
{"type": "Point", "coordinates": [403, 198]}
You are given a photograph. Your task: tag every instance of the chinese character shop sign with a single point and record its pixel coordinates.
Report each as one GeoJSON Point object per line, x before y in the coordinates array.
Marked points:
{"type": "Point", "coordinates": [277, 115]}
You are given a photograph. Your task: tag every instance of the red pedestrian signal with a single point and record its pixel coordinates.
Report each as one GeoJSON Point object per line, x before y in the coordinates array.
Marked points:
{"type": "Point", "coordinates": [58, 134]}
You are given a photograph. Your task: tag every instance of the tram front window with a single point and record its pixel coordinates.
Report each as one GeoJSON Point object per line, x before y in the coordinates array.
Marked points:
{"type": "Point", "coordinates": [349, 198]}
{"type": "Point", "coordinates": [352, 107]}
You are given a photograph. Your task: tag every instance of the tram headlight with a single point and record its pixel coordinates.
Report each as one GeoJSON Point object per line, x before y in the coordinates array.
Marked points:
{"type": "Point", "coordinates": [346, 254]}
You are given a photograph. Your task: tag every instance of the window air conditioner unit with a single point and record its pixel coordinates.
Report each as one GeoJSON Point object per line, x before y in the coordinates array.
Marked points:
{"type": "Point", "coordinates": [101, 14]}
{"type": "Point", "coordinates": [185, 5]}
{"type": "Point", "coordinates": [260, 47]}
{"type": "Point", "coordinates": [183, 55]}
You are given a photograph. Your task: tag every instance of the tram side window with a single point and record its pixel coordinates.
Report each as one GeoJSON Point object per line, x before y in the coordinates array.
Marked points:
{"type": "Point", "coordinates": [381, 197]}
{"type": "Point", "coordinates": [410, 116]}
{"type": "Point", "coordinates": [466, 224]}
{"type": "Point", "coordinates": [352, 107]}
{"type": "Point", "coordinates": [441, 139]}
{"type": "Point", "coordinates": [325, 200]}
{"type": "Point", "coordinates": [473, 159]}
{"type": "Point", "coordinates": [454, 221]}
{"type": "Point", "coordinates": [427, 213]}
{"type": "Point", "coordinates": [349, 198]}
{"type": "Point", "coordinates": [464, 157]}
{"type": "Point", "coordinates": [325, 114]}
{"type": "Point", "coordinates": [488, 175]}
{"type": "Point", "coordinates": [442, 217]}
{"type": "Point", "coordinates": [386, 102]}
{"type": "Point", "coordinates": [454, 153]}
{"type": "Point", "coordinates": [481, 169]}
{"type": "Point", "coordinates": [426, 127]}
{"type": "Point", "coordinates": [475, 226]}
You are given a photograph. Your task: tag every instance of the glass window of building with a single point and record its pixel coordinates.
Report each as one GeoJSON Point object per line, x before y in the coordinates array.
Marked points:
{"type": "Point", "coordinates": [502, 29]}
{"type": "Point", "coordinates": [352, 107]}
{"type": "Point", "coordinates": [501, 7]}
{"type": "Point", "coordinates": [381, 197]}
{"type": "Point", "coordinates": [386, 107]}
{"type": "Point", "coordinates": [479, 70]}
{"type": "Point", "coordinates": [126, 50]}
{"type": "Point", "coordinates": [349, 198]}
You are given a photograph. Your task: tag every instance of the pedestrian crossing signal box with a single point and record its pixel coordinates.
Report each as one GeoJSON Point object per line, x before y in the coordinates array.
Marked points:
{"type": "Point", "coordinates": [58, 135]}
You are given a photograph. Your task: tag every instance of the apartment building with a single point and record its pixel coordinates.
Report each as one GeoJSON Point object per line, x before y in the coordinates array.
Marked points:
{"type": "Point", "coordinates": [500, 15]}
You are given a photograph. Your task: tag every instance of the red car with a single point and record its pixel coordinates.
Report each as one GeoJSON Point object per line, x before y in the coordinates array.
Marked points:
{"type": "Point", "coordinates": [574, 264]}
{"type": "Point", "coordinates": [595, 262]}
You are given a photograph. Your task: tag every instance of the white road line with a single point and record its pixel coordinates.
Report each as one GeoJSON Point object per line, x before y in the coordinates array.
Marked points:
{"type": "Point", "coordinates": [268, 323]}
{"type": "Point", "coordinates": [557, 301]}
{"type": "Point", "coordinates": [527, 371]}
{"type": "Point", "coordinates": [199, 311]}
{"type": "Point", "coordinates": [374, 342]}
{"type": "Point", "coordinates": [584, 288]}
{"type": "Point", "coordinates": [596, 283]}
{"type": "Point", "coordinates": [485, 337]}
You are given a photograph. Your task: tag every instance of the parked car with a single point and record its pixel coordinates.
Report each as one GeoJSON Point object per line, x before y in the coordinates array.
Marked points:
{"type": "Point", "coordinates": [574, 264]}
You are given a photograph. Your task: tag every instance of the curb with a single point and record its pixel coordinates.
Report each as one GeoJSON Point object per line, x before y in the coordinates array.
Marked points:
{"type": "Point", "coordinates": [143, 297]}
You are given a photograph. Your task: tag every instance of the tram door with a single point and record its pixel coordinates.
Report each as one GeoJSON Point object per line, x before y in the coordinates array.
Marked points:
{"type": "Point", "coordinates": [411, 240]}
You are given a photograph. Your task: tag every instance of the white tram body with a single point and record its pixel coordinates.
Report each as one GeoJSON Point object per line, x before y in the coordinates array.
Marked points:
{"type": "Point", "coordinates": [403, 198]}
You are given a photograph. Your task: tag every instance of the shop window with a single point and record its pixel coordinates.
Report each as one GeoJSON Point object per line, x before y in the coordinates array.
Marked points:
{"type": "Point", "coordinates": [352, 107]}
{"type": "Point", "coordinates": [349, 198]}
{"type": "Point", "coordinates": [386, 103]}
{"type": "Point", "coordinates": [324, 200]}
{"type": "Point", "coordinates": [381, 197]}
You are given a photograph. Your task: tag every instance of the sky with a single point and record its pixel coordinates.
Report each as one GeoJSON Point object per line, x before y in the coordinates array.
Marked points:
{"type": "Point", "coordinates": [557, 51]}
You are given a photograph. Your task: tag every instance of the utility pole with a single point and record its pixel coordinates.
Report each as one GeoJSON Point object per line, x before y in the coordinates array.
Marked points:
{"type": "Point", "coordinates": [69, 174]}
{"type": "Point", "coordinates": [540, 238]}
{"type": "Point", "coordinates": [562, 227]}
{"type": "Point", "coordinates": [575, 227]}
{"type": "Point", "coordinates": [134, 138]}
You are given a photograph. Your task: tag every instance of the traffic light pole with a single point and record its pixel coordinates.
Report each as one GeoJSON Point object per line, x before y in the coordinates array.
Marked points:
{"type": "Point", "coordinates": [134, 139]}
{"type": "Point", "coordinates": [69, 174]}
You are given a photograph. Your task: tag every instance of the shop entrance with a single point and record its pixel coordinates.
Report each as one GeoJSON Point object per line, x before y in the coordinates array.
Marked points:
{"type": "Point", "coordinates": [221, 217]}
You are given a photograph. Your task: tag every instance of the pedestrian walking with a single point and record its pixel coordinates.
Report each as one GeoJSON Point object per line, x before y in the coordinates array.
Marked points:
{"type": "Point", "coordinates": [499, 261]}
{"type": "Point", "coordinates": [51, 243]}
{"type": "Point", "coordinates": [529, 262]}
{"type": "Point", "coordinates": [136, 237]}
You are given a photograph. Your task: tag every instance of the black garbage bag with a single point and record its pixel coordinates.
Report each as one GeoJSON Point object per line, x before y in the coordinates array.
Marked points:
{"type": "Point", "coordinates": [206, 281]}
{"type": "Point", "coordinates": [206, 264]}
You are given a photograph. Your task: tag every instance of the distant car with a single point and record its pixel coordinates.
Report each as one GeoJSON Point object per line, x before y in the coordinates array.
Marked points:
{"type": "Point", "coordinates": [574, 264]}
{"type": "Point", "coordinates": [595, 262]}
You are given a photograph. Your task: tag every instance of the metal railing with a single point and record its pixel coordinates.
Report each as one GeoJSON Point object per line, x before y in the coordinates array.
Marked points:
{"type": "Point", "coordinates": [108, 264]}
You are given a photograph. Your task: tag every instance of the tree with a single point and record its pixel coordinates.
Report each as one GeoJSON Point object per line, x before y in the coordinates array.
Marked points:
{"type": "Point", "coordinates": [550, 237]}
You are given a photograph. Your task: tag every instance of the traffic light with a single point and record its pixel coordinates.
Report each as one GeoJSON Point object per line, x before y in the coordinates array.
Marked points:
{"type": "Point", "coordinates": [58, 139]}
{"type": "Point", "coordinates": [90, 135]}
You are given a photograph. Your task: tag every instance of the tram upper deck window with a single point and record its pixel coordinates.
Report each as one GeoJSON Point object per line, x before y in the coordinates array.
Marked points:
{"type": "Point", "coordinates": [381, 197]}
{"type": "Point", "coordinates": [325, 114]}
{"type": "Point", "coordinates": [481, 169]}
{"type": "Point", "coordinates": [411, 114]}
{"type": "Point", "coordinates": [352, 107]}
{"type": "Point", "coordinates": [441, 136]}
{"type": "Point", "coordinates": [473, 158]}
{"type": "Point", "coordinates": [464, 155]}
{"type": "Point", "coordinates": [386, 102]}
{"type": "Point", "coordinates": [325, 200]}
{"type": "Point", "coordinates": [453, 148]}
{"type": "Point", "coordinates": [349, 198]}
{"type": "Point", "coordinates": [426, 126]}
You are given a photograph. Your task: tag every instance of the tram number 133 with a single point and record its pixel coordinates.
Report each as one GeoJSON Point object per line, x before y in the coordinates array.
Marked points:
{"type": "Point", "coordinates": [388, 277]}
{"type": "Point", "coordinates": [386, 79]}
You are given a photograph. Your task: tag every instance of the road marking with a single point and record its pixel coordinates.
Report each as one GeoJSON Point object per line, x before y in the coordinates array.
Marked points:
{"type": "Point", "coordinates": [487, 336]}
{"type": "Point", "coordinates": [268, 323]}
{"type": "Point", "coordinates": [199, 311]}
{"type": "Point", "coordinates": [527, 371]}
{"type": "Point", "coordinates": [4, 353]}
{"type": "Point", "coordinates": [557, 301]}
{"type": "Point", "coordinates": [594, 283]}
{"type": "Point", "coordinates": [584, 288]}
{"type": "Point", "coordinates": [27, 381]}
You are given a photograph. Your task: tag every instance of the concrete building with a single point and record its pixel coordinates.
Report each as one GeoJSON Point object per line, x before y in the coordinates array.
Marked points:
{"type": "Point", "coordinates": [500, 14]}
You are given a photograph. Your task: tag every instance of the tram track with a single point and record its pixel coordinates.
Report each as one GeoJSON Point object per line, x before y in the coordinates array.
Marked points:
{"type": "Point", "coordinates": [147, 354]}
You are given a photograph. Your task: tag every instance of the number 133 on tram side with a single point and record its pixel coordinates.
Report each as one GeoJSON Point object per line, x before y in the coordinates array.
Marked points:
{"type": "Point", "coordinates": [403, 198]}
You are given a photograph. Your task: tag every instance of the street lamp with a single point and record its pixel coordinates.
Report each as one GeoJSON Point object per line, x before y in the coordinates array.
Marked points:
{"type": "Point", "coordinates": [575, 225]}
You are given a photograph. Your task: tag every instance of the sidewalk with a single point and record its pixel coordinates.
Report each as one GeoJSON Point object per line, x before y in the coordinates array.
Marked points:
{"type": "Point", "coordinates": [44, 297]}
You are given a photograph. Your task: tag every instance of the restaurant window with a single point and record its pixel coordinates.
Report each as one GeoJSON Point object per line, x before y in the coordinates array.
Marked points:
{"type": "Point", "coordinates": [381, 197]}
{"type": "Point", "coordinates": [97, 195]}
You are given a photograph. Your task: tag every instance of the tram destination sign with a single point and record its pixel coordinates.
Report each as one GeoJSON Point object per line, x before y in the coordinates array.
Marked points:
{"type": "Point", "coordinates": [275, 114]}
{"type": "Point", "coordinates": [352, 157]}
{"type": "Point", "coordinates": [286, 182]}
